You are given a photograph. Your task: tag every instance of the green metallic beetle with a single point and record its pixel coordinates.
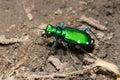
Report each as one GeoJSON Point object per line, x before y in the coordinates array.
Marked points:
{"type": "Point", "coordinates": [69, 35]}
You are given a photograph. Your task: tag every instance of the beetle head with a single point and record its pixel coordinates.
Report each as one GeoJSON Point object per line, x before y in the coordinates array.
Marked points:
{"type": "Point", "coordinates": [49, 30]}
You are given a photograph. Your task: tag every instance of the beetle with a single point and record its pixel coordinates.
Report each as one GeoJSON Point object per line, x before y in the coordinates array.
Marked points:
{"type": "Point", "coordinates": [69, 35]}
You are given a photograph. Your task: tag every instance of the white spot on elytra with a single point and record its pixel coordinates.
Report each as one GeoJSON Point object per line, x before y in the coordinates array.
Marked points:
{"type": "Point", "coordinates": [78, 41]}
{"type": "Point", "coordinates": [87, 42]}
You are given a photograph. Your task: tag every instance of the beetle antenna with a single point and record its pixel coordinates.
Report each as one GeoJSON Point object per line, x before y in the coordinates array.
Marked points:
{"type": "Point", "coordinates": [94, 34]}
{"type": "Point", "coordinates": [62, 25]}
{"type": "Point", "coordinates": [36, 28]}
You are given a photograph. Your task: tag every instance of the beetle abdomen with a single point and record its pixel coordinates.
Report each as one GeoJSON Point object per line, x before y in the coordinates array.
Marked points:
{"type": "Point", "coordinates": [76, 36]}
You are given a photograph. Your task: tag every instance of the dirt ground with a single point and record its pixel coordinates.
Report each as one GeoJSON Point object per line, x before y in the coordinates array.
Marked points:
{"type": "Point", "coordinates": [17, 17]}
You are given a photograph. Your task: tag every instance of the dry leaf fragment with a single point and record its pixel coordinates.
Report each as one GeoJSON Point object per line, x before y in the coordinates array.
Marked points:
{"type": "Point", "coordinates": [108, 66]}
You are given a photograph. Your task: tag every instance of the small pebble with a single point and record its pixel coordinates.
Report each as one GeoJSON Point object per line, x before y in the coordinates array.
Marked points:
{"type": "Point", "coordinates": [70, 9]}
{"type": "Point", "coordinates": [93, 76]}
{"type": "Point", "coordinates": [10, 27]}
{"type": "Point", "coordinates": [100, 35]}
{"type": "Point", "coordinates": [109, 36]}
{"type": "Point", "coordinates": [30, 17]}
{"type": "Point", "coordinates": [59, 11]}
{"type": "Point", "coordinates": [56, 62]}
{"type": "Point", "coordinates": [42, 25]}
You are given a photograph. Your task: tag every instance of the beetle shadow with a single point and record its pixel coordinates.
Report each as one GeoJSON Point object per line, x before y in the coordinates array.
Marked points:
{"type": "Point", "coordinates": [81, 49]}
{"type": "Point", "coordinates": [60, 50]}
{"type": "Point", "coordinates": [80, 52]}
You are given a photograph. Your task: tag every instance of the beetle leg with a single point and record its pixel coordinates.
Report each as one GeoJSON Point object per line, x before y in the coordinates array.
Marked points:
{"type": "Point", "coordinates": [52, 48]}
{"type": "Point", "coordinates": [65, 44]}
{"type": "Point", "coordinates": [42, 67]}
{"type": "Point", "coordinates": [54, 45]}
{"type": "Point", "coordinates": [71, 57]}
{"type": "Point", "coordinates": [57, 25]}
{"type": "Point", "coordinates": [84, 29]}
{"type": "Point", "coordinates": [69, 53]}
{"type": "Point", "coordinates": [63, 26]}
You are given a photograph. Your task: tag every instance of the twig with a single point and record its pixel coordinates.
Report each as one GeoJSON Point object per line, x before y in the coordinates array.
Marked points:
{"type": "Point", "coordinates": [54, 75]}
{"type": "Point", "coordinates": [3, 40]}
{"type": "Point", "coordinates": [21, 61]}
{"type": "Point", "coordinates": [93, 22]}
{"type": "Point", "coordinates": [11, 72]}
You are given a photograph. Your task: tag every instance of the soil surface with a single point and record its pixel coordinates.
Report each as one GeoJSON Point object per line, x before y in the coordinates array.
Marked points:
{"type": "Point", "coordinates": [18, 17]}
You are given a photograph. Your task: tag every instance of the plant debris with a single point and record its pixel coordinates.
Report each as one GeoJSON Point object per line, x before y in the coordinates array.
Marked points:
{"type": "Point", "coordinates": [28, 9]}
{"type": "Point", "coordinates": [3, 40]}
{"type": "Point", "coordinates": [93, 22]}
{"type": "Point", "coordinates": [56, 62]}
{"type": "Point", "coordinates": [108, 66]}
